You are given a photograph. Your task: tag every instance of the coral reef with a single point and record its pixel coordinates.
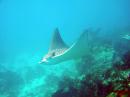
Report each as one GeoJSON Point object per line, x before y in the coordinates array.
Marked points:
{"type": "Point", "coordinates": [104, 72]}
{"type": "Point", "coordinates": [108, 79]}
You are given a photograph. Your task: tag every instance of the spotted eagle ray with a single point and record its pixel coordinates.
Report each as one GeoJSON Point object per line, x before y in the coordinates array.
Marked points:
{"type": "Point", "coordinates": [60, 52]}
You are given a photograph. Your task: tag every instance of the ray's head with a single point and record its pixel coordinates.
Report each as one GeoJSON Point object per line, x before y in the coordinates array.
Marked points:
{"type": "Point", "coordinates": [47, 58]}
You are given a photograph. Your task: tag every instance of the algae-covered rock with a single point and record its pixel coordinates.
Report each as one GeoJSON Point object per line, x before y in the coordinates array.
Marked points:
{"type": "Point", "coordinates": [99, 60]}
{"type": "Point", "coordinates": [112, 95]}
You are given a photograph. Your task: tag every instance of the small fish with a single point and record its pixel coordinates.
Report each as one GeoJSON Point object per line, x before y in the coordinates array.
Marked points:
{"type": "Point", "coordinates": [126, 37]}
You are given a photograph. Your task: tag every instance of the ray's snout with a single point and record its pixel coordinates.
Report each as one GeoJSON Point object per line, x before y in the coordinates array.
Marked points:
{"type": "Point", "coordinates": [44, 60]}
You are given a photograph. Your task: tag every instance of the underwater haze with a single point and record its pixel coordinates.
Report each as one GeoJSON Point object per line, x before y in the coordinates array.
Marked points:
{"type": "Point", "coordinates": [26, 27]}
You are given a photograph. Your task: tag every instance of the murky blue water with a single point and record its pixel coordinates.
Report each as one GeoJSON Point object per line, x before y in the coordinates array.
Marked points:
{"type": "Point", "coordinates": [26, 27]}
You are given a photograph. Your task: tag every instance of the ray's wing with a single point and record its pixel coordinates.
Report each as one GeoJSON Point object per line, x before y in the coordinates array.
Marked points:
{"type": "Point", "coordinates": [79, 48]}
{"type": "Point", "coordinates": [57, 42]}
